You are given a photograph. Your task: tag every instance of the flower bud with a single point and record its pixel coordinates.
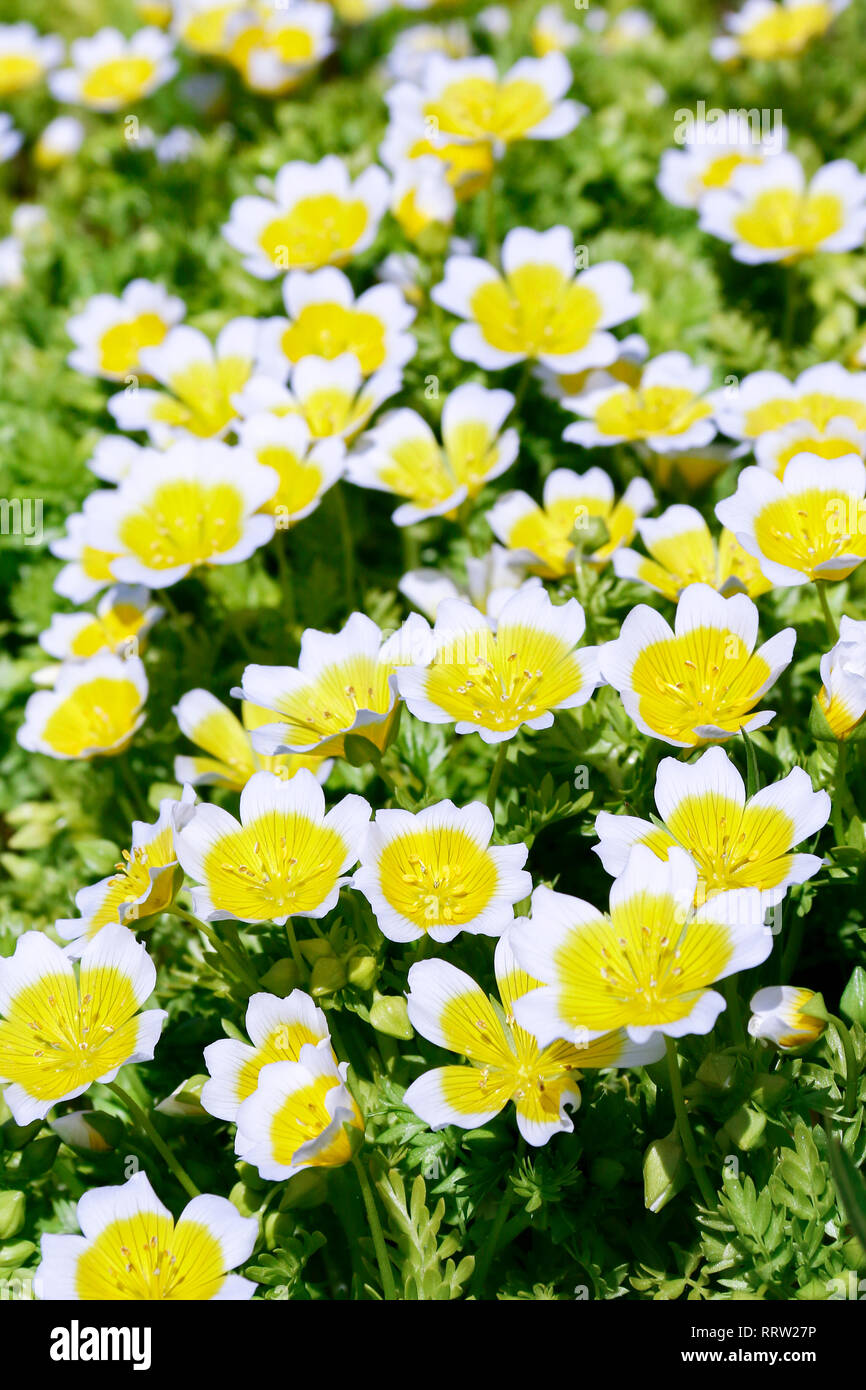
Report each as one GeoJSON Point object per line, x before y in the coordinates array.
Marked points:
{"type": "Point", "coordinates": [329, 976]}
{"type": "Point", "coordinates": [184, 1103]}
{"type": "Point", "coordinates": [362, 971]}
{"type": "Point", "coordinates": [282, 977]}
{"type": "Point", "coordinates": [717, 1071]}
{"type": "Point", "coordinates": [90, 1130]}
{"type": "Point", "coordinates": [746, 1128]}
{"type": "Point", "coordinates": [15, 1252]}
{"type": "Point", "coordinates": [13, 1206]}
{"type": "Point", "coordinates": [664, 1172]}
{"type": "Point", "coordinates": [246, 1199]}
{"type": "Point", "coordinates": [390, 1015]}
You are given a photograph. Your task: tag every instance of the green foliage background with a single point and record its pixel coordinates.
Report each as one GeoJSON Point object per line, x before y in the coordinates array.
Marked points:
{"type": "Point", "coordinates": [577, 1224]}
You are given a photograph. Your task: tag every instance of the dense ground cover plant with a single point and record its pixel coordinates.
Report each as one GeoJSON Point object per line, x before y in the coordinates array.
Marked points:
{"type": "Point", "coordinates": [434, 670]}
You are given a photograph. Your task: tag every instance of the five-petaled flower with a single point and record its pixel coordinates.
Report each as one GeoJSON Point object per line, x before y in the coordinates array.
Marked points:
{"type": "Point", "coordinates": [507, 1062]}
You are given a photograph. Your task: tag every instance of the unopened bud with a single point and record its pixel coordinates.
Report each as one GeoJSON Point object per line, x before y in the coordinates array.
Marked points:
{"type": "Point", "coordinates": [664, 1172]}
{"type": "Point", "coordinates": [13, 1206]}
{"type": "Point", "coordinates": [390, 1015]}
{"type": "Point", "coordinates": [329, 975]}
{"type": "Point", "coordinates": [282, 977]}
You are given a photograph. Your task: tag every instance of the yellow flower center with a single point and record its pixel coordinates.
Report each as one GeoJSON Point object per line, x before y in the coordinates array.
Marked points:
{"type": "Point", "coordinates": [637, 414]}
{"type": "Point", "coordinates": [785, 32]}
{"type": "Point", "coordinates": [809, 528]}
{"type": "Point", "coordinates": [437, 878]}
{"type": "Point", "coordinates": [119, 80]}
{"type": "Point", "coordinates": [536, 310]}
{"type": "Point", "coordinates": [147, 1257]}
{"type": "Point", "coordinates": [96, 715]}
{"type": "Point", "coordinates": [202, 396]}
{"type": "Point", "coordinates": [780, 218]}
{"type": "Point", "coordinates": [327, 330]}
{"type": "Point", "coordinates": [322, 229]}
{"type": "Point", "coordinates": [184, 523]}
{"type": "Point", "coordinates": [706, 677]}
{"type": "Point", "coordinates": [479, 109]}
{"type": "Point", "coordinates": [18, 71]}
{"type": "Point", "coordinates": [120, 346]}
{"type": "Point", "coordinates": [273, 867]}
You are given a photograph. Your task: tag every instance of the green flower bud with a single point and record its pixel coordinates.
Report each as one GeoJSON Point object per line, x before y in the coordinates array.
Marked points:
{"type": "Point", "coordinates": [13, 1206]}
{"type": "Point", "coordinates": [277, 1228]}
{"type": "Point", "coordinates": [282, 977]}
{"type": "Point", "coordinates": [246, 1199]}
{"type": "Point", "coordinates": [362, 971]}
{"type": "Point", "coordinates": [769, 1090]}
{"type": "Point", "coordinates": [250, 1176]}
{"type": "Point", "coordinates": [717, 1071]}
{"type": "Point", "coordinates": [664, 1172]}
{"type": "Point", "coordinates": [15, 1252]}
{"type": "Point", "coordinates": [184, 1103]}
{"type": "Point", "coordinates": [853, 1002]}
{"type": "Point", "coordinates": [308, 1188]}
{"type": "Point", "coordinates": [329, 976]}
{"type": "Point", "coordinates": [315, 949]}
{"type": "Point", "coordinates": [389, 1015]}
{"type": "Point", "coordinates": [746, 1128]}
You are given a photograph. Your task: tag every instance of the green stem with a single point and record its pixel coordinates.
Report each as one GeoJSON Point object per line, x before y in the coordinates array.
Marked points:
{"type": "Point", "coordinates": [294, 948]}
{"type": "Point", "coordinates": [490, 1245]}
{"type": "Point", "coordinates": [735, 1013]}
{"type": "Point", "coordinates": [792, 287]}
{"type": "Point", "coordinates": [839, 790]}
{"type": "Point", "coordinates": [383, 1259]}
{"type": "Point", "coordinates": [523, 383]}
{"type": "Point", "coordinates": [236, 965]}
{"type": "Point", "coordinates": [852, 1071]}
{"type": "Point", "coordinates": [495, 776]}
{"type": "Point", "coordinates": [347, 544]}
{"type": "Point", "coordinates": [829, 620]}
{"type": "Point", "coordinates": [684, 1127]}
{"type": "Point", "coordinates": [284, 572]}
{"type": "Point", "coordinates": [490, 221]}
{"type": "Point", "coordinates": [142, 1119]}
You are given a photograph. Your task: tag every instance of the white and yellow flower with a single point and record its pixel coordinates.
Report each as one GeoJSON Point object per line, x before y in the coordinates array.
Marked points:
{"type": "Point", "coordinates": [123, 618]}
{"type": "Point", "coordinates": [278, 1029]}
{"type": "Point", "coordinates": [700, 682]}
{"type": "Point", "coordinates": [711, 153]}
{"type": "Point", "coordinates": [632, 351]}
{"type": "Point", "coordinates": [58, 1034]}
{"type": "Point", "coordinates": [332, 398]}
{"type": "Point", "coordinates": [546, 538]}
{"type": "Point", "coordinates": [231, 760]}
{"type": "Point", "coordinates": [402, 455]}
{"type": "Point", "coordinates": [618, 33]}
{"type": "Point", "coordinates": [87, 570]}
{"type": "Point", "coordinates": [422, 199]}
{"type": "Point", "coordinates": [11, 141]}
{"type": "Point", "coordinates": [667, 411]}
{"type": "Point", "coordinates": [411, 50]}
{"type": "Point", "coordinates": [551, 32]}
{"type": "Point", "coordinates": [538, 307]}
{"type": "Point", "coordinates": [769, 29]}
{"type": "Point", "coordinates": [835, 440]}
{"type": "Point", "coordinates": [780, 1014]}
{"type": "Point", "coordinates": [297, 1115]}
{"type": "Point", "coordinates": [735, 843]}
{"type": "Point", "coordinates": [768, 212]}
{"type": "Point", "coordinates": [197, 504]}
{"type": "Point", "coordinates": [94, 710]}
{"type": "Point", "coordinates": [60, 140]}
{"type": "Point", "coordinates": [842, 696]}
{"type": "Point", "coordinates": [111, 331]}
{"type": "Point", "coordinates": [494, 681]}
{"type": "Point", "coordinates": [205, 25]}
{"type": "Point", "coordinates": [343, 684]}
{"type": "Point", "coordinates": [274, 47]}
{"type": "Point", "coordinates": [767, 401]}
{"type": "Point", "coordinates": [109, 71]}
{"type": "Point", "coordinates": [306, 468]}
{"type": "Point", "coordinates": [144, 883]}
{"type": "Point", "coordinates": [201, 381]}
{"type": "Point", "coordinates": [132, 1249]}
{"type": "Point", "coordinates": [26, 56]}
{"type": "Point", "coordinates": [287, 857]}
{"type": "Point", "coordinates": [647, 965]}
{"type": "Point", "coordinates": [435, 874]}
{"type": "Point", "coordinates": [468, 164]}
{"type": "Point", "coordinates": [491, 579]}
{"type": "Point", "coordinates": [808, 525]}
{"type": "Point", "coordinates": [467, 99]}
{"type": "Point", "coordinates": [682, 551]}
{"type": "Point", "coordinates": [325, 319]}
{"type": "Point", "coordinates": [447, 1007]}
{"type": "Point", "coordinates": [316, 216]}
